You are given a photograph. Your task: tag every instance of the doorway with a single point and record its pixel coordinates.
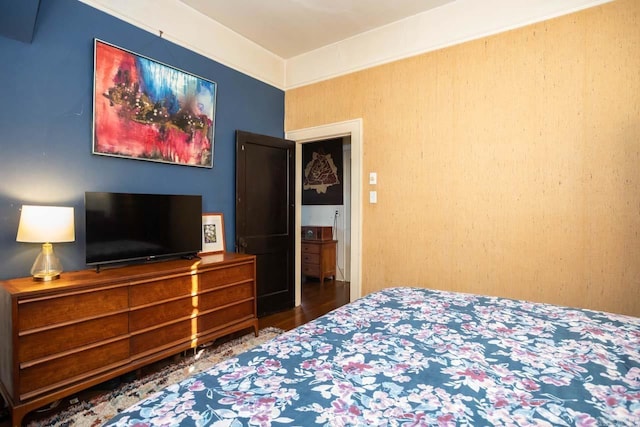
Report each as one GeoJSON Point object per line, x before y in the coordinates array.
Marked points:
{"type": "Point", "coordinates": [352, 128]}
{"type": "Point", "coordinates": [328, 209]}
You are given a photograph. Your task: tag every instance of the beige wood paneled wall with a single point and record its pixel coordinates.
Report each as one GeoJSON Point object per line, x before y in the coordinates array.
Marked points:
{"type": "Point", "coordinates": [506, 166]}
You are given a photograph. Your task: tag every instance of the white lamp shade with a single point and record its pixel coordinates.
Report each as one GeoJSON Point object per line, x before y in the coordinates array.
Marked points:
{"type": "Point", "coordinates": [46, 224]}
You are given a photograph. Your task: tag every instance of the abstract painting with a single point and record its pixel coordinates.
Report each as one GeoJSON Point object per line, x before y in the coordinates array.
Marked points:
{"type": "Point", "coordinates": [322, 173]}
{"type": "Point", "coordinates": [146, 110]}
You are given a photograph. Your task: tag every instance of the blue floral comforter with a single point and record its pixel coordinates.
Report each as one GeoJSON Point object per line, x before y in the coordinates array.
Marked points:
{"type": "Point", "coordinates": [418, 357]}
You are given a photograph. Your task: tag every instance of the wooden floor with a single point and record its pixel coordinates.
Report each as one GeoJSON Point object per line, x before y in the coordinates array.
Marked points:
{"type": "Point", "coordinates": [317, 299]}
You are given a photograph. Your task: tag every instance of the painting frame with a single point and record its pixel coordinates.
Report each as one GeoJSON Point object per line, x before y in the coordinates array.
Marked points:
{"type": "Point", "coordinates": [212, 233]}
{"type": "Point", "coordinates": [144, 109]}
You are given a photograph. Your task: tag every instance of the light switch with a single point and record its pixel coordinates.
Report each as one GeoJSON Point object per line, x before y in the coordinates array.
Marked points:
{"type": "Point", "coordinates": [373, 197]}
{"type": "Point", "coordinates": [373, 178]}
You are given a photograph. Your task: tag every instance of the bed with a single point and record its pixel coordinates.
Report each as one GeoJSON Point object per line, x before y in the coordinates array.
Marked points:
{"type": "Point", "coordinates": [417, 357]}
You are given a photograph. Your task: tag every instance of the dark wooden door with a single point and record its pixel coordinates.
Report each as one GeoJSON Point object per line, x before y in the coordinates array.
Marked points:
{"type": "Point", "coordinates": [265, 215]}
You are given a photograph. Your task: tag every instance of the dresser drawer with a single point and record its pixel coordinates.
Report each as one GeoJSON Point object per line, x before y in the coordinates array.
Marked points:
{"type": "Point", "coordinates": [189, 330]}
{"type": "Point", "coordinates": [311, 270]}
{"type": "Point", "coordinates": [214, 278]}
{"type": "Point", "coordinates": [311, 258]}
{"type": "Point", "coordinates": [188, 285]}
{"type": "Point", "coordinates": [47, 375]}
{"type": "Point", "coordinates": [56, 340]}
{"type": "Point", "coordinates": [310, 248]}
{"type": "Point", "coordinates": [51, 310]}
{"type": "Point", "coordinates": [189, 306]}
{"type": "Point", "coordinates": [160, 290]}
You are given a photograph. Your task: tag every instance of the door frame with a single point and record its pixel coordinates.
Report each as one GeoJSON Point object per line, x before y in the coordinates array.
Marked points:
{"type": "Point", "coordinates": [351, 128]}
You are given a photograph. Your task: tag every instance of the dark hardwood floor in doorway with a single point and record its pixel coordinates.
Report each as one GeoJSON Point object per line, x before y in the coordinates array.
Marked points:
{"type": "Point", "coordinates": [317, 299]}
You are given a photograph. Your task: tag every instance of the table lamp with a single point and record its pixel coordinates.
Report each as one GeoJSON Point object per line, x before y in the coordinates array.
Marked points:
{"type": "Point", "coordinates": [46, 225]}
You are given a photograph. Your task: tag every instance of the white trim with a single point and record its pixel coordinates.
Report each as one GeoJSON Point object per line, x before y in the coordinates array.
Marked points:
{"type": "Point", "coordinates": [450, 24]}
{"type": "Point", "coordinates": [334, 130]}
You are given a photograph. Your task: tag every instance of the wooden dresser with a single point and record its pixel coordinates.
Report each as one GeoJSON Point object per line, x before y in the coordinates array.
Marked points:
{"type": "Point", "coordinates": [60, 337]}
{"type": "Point", "coordinates": [319, 258]}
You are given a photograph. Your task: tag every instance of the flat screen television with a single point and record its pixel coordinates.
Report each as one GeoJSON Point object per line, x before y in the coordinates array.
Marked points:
{"type": "Point", "coordinates": [127, 227]}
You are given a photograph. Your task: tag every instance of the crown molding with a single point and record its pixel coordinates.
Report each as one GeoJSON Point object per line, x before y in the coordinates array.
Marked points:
{"type": "Point", "coordinates": [452, 23]}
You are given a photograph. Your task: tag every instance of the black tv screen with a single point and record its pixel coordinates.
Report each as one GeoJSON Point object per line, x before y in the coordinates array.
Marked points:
{"type": "Point", "coordinates": [123, 227]}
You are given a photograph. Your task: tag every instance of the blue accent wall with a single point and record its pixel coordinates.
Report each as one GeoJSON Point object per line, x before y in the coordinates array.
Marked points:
{"type": "Point", "coordinates": [46, 127]}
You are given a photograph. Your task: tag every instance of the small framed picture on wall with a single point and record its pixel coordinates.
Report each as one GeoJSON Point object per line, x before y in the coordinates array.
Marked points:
{"type": "Point", "coordinates": [212, 233]}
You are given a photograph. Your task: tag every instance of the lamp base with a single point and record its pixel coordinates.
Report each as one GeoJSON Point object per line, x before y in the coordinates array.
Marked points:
{"type": "Point", "coordinates": [46, 277]}
{"type": "Point", "coordinates": [47, 266]}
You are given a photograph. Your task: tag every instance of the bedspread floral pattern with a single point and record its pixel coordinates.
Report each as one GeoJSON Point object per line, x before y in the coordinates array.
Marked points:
{"type": "Point", "coordinates": [417, 357]}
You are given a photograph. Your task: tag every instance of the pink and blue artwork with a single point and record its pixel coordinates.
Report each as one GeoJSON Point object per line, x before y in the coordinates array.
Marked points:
{"type": "Point", "coordinates": [147, 110]}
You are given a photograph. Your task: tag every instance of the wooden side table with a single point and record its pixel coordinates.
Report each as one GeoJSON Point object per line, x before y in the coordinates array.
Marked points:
{"type": "Point", "coordinates": [319, 258]}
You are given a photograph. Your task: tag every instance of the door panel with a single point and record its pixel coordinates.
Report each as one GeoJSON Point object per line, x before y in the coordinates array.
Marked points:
{"type": "Point", "coordinates": [265, 209]}
{"type": "Point", "coordinates": [266, 172]}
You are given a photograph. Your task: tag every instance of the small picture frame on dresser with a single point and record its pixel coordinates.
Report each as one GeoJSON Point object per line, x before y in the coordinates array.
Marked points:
{"type": "Point", "coordinates": [212, 233]}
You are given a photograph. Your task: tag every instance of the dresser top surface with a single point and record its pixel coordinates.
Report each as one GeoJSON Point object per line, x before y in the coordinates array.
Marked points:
{"type": "Point", "coordinates": [124, 274]}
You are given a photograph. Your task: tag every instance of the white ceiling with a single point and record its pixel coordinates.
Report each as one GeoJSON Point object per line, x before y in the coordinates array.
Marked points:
{"type": "Point", "coordinates": [292, 27]}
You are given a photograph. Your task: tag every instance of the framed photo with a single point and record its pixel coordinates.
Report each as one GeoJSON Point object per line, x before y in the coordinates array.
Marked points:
{"type": "Point", "coordinates": [146, 110]}
{"type": "Point", "coordinates": [212, 233]}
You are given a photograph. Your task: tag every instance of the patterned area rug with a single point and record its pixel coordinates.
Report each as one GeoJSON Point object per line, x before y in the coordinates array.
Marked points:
{"type": "Point", "coordinates": [99, 409]}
